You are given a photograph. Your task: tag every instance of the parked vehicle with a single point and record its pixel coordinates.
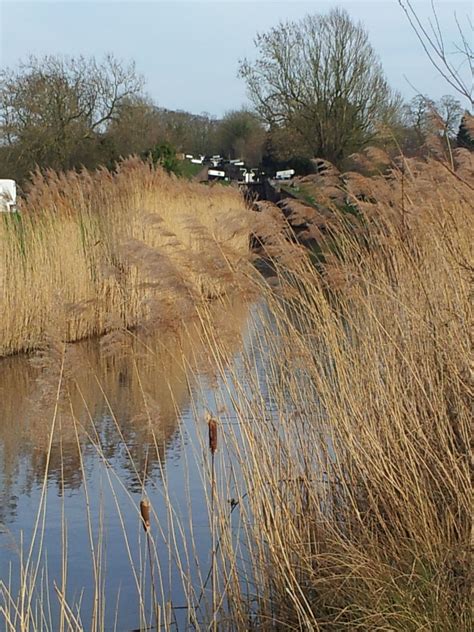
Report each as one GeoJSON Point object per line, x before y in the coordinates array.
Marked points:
{"type": "Point", "coordinates": [7, 196]}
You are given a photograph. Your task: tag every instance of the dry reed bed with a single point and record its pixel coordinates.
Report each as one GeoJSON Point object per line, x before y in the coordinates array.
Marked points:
{"type": "Point", "coordinates": [342, 492]}
{"type": "Point", "coordinates": [95, 251]}
{"type": "Point", "coordinates": [356, 495]}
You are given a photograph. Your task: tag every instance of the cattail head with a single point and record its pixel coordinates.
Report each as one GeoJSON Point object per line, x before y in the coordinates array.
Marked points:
{"type": "Point", "coordinates": [145, 513]}
{"type": "Point", "coordinates": [212, 425]}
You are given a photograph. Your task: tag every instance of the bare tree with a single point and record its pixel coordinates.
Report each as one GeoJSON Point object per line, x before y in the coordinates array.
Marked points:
{"type": "Point", "coordinates": [417, 117]}
{"type": "Point", "coordinates": [426, 117]}
{"type": "Point", "coordinates": [449, 64]}
{"type": "Point", "coordinates": [321, 81]}
{"type": "Point", "coordinates": [50, 106]}
{"type": "Point", "coordinates": [450, 111]}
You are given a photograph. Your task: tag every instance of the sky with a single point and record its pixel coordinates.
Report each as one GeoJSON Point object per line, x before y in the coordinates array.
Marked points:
{"type": "Point", "coordinates": [189, 51]}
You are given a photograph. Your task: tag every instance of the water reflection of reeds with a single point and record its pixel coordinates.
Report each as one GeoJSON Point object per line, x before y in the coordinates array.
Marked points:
{"type": "Point", "coordinates": [119, 397]}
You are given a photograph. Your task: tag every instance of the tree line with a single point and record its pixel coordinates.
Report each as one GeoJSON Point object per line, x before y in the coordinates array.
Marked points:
{"type": "Point", "coordinates": [316, 87]}
{"type": "Point", "coordinates": [65, 113]}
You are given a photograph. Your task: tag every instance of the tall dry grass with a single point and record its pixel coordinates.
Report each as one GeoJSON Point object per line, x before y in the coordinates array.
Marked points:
{"type": "Point", "coordinates": [95, 251]}
{"type": "Point", "coordinates": [356, 494]}
{"type": "Point", "coordinates": [339, 495]}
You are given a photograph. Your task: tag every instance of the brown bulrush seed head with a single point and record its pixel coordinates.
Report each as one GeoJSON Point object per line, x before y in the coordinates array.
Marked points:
{"type": "Point", "coordinates": [145, 513]}
{"type": "Point", "coordinates": [212, 424]}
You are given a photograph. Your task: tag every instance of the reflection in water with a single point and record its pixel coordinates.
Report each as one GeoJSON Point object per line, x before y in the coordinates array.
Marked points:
{"type": "Point", "coordinates": [119, 399]}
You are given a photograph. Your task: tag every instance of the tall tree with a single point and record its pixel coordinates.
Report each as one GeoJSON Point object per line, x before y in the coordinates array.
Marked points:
{"type": "Point", "coordinates": [450, 111]}
{"type": "Point", "coordinates": [321, 81]}
{"type": "Point", "coordinates": [54, 109]}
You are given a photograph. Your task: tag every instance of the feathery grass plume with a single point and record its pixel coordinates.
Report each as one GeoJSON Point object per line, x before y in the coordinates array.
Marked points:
{"type": "Point", "coordinates": [469, 123]}
{"type": "Point", "coordinates": [378, 157]}
{"type": "Point", "coordinates": [464, 163]}
{"type": "Point", "coordinates": [212, 431]}
{"type": "Point", "coordinates": [298, 213]}
{"type": "Point", "coordinates": [145, 517]}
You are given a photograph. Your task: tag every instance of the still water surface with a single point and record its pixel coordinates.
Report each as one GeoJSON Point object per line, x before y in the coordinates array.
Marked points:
{"type": "Point", "coordinates": [129, 421]}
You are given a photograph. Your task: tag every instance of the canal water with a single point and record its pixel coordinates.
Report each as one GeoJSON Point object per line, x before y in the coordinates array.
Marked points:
{"type": "Point", "coordinates": [86, 433]}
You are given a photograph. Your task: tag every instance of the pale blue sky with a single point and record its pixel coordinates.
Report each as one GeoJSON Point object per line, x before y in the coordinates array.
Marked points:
{"type": "Point", "coordinates": [188, 52]}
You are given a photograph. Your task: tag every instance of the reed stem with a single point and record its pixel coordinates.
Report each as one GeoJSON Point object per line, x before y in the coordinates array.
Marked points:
{"type": "Point", "coordinates": [212, 425]}
{"type": "Point", "coordinates": [145, 515]}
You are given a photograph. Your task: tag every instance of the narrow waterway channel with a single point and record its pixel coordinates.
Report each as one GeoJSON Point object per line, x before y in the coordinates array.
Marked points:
{"type": "Point", "coordinates": [84, 436]}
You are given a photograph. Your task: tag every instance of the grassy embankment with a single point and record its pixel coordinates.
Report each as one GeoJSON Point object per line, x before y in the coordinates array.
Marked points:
{"type": "Point", "coordinates": [350, 486]}
{"type": "Point", "coordinates": [94, 251]}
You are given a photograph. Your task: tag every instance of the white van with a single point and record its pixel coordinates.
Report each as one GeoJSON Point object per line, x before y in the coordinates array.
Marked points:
{"type": "Point", "coordinates": [7, 196]}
